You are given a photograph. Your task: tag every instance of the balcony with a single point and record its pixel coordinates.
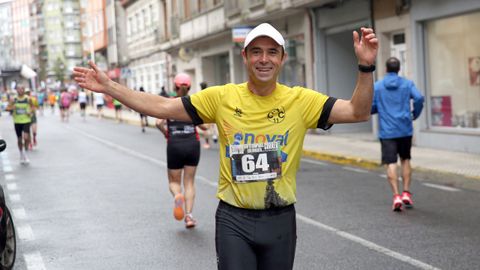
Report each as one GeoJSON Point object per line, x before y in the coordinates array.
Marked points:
{"type": "Point", "coordinates": [203, 25]}
{"type": "Point", "coordinates": [72, 39]}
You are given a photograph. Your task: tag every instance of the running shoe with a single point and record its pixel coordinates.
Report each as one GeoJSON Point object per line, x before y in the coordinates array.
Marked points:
{"type": "Point", "coordinates": [178, 207]}
{"type": "Point", "coordinates": [26, 160]}
{"type": "Point", "coordinates": [407, 199]}
{"type": "Point", "coordinates": [22, 158]}
{"type": "Point", "coordinates": [190, 222]}
{"type": "Point", "coordinates": [397, 203]}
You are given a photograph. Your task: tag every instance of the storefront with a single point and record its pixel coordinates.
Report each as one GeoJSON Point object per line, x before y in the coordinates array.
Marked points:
{"type": "Point", "coordinates": [336, 63]}
{"type": "Point", "coordinates": [447, 48]}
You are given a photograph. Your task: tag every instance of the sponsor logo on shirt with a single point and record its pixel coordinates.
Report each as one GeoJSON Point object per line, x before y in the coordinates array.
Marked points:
{"type": "Point", "coordinates": [238, 112]}
{"type": "Point", "coordinates": [276, 115]}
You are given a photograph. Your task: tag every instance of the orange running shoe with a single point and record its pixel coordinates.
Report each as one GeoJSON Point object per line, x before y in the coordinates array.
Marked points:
{"type": "Point", "coordinates": [178, 207]}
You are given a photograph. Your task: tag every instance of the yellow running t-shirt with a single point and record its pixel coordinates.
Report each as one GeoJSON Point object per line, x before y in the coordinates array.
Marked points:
{"type": "Point", "coordinates": [261, 139]}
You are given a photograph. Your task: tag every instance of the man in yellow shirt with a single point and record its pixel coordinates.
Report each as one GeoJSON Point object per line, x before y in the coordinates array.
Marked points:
{"type": "Point", "coordinates": [261, 126]}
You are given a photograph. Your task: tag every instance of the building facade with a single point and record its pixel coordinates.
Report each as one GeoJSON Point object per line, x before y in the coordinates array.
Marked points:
{"type": "Point", "coordinates": [146, 31]}
{"type": "Point", "coordinates": [60, 40]}
{"type": "Point", "coordinates": [446, 53]}
{"type": "Point", "coordinates": [94, 32]}
{"type": "Point", "coordinates": [22, 36]}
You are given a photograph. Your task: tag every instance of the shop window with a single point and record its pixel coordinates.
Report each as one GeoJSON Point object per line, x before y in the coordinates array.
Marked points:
{"type": "Point", "coordinates": [453, 72]}
{"type": "Point", "coordinates": [293, 72]}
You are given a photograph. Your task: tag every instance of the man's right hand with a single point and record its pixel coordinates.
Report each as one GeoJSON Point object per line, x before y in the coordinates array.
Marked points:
{"type": "Point", "coordinates": [91, 78]}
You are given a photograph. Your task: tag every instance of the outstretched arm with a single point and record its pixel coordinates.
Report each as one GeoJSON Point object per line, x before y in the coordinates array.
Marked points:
{"type": "Point", "coordinates": [153, 105]}
{"type": "Point", "coordinates": [358, 108]}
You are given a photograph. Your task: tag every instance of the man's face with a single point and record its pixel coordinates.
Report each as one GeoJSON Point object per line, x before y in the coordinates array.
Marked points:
{"type": "Point", "coordinates": [263, 58]}
{"type": "Point", "coordinates": [20, 91]}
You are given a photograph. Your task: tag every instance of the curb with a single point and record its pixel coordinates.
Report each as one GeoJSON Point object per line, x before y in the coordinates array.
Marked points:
{"type": "Point", "coordinates": [343, 160]}
{"type": "Point", "coordinates": [370, 164]}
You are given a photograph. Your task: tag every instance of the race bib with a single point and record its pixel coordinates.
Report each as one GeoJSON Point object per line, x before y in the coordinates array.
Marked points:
{"type": "Point", "coordinates": [255, 162]}
{"type": "Point", "coordinates": [19, 111]}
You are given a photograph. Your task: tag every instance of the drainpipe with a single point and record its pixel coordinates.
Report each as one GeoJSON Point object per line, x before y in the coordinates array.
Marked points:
{"type": "Point", "coordinates": [312, 29]}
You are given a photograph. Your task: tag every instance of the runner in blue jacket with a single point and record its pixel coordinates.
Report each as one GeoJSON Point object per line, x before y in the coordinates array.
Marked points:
{"type": "Point", "coordinates": [392, 101]}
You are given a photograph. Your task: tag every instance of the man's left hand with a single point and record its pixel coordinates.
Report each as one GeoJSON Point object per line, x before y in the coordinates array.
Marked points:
{"type": "Point", "coordinates": [366, 46]}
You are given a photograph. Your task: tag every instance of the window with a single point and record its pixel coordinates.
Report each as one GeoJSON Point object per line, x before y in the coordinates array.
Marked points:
{"type": "Point", "coordinates": [232, 7]}
{"type": "Point", "coordinates": [254, 3]}
{"type": "Point", "coordinates": [293, 72]}
{"type": "Point", "coordinates": [129, 26]}
{"type": "Point", "coordinates": [453, 71]}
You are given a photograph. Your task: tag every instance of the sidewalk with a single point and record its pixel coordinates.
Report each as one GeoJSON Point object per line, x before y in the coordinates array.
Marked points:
{"type": "Point", "coordinates": [361, 150]}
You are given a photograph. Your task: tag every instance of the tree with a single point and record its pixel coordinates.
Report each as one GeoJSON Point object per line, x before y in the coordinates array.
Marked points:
{"type": "Point", "coordinates": [59, 70]}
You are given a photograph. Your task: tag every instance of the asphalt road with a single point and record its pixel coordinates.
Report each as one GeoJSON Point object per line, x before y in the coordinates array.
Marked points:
{"type": "Point", "coordinates": [95, 196]}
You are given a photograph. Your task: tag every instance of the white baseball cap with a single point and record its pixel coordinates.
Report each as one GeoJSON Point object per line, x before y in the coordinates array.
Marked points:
{"type": "Point", "coordinates": [264, 30]}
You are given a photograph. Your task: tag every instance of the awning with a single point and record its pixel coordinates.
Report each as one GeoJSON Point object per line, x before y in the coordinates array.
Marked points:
{"type": "Point", "coordinates": [27, 72]}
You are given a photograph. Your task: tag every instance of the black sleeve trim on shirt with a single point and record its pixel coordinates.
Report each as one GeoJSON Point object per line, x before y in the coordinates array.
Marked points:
{"type": "Point", "coordinates": [191, 110]}
{"type": "Point", "coordinates": [327, 108]}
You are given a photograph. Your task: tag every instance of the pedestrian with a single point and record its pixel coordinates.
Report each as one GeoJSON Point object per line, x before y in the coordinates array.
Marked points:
{"type": "Point", "coordinates": [33, 119]}
{"type": "Point", "coordinates": [163, 93]}
{"type": "Point", "coordinates": [261, 125]}
{"type": "Point", "coordinates": [22, 109]}
{"type": "Point", "coordinates": [99, 100]}
{"type": "Point", "coordinates": [118, 110]}
{"type": "Point", "coordinates": [41, 97]}
{"type": "Point", "coordinates": [143, 117]}
{"type": "Point", "coordinates": [52, 100]}
{"type": "Point", "coordinates": [183, 155]}
{"type": "Point", "coordinates": [82, 100]}
{"type": "Point", "coordinates": [392, 101]}
{"type": "Point", "coordinates": [64, 104]}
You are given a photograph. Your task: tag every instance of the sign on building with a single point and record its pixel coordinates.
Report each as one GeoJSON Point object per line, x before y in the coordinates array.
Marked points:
{"type": "Point", "coordinates": [239, 33]}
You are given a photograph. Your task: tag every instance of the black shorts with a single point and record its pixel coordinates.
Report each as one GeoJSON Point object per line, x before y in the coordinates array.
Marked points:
{"type": "Point", "coordinates": [181, 154]}
{"type": "Point", "coordinates": [99, 106]}
{"type": "Point", "coordinates": [118, 107]}
{"type": "Point", "coordinates": [83, 105]}
{"type": "Point", "coordinates": [255, 239]}
{"type": "Point", "coordinates": [393, 147]}
{"type": "Point", "coordinates": [19, 128]}
{"type": "Point", "coordinates": [33, 119]}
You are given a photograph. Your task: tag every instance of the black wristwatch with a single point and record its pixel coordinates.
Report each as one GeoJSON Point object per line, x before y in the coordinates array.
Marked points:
{"type": "Point", "coordinates": [366, 69]}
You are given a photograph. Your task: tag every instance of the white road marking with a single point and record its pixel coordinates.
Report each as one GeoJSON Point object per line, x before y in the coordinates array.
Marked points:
{"type": "Point", "coordinates": [14, 197]}
{"type": "Point", "coordinates": [25, 233]}
{"type": "Point", "coordinates": [368, 244]}
{"type": "Point", "coordinates": [316, 162]}
{"type": "Point", "coordinates": [445, 188]}
{"type": "Point", "coordinates": [121, 148]}
{"type": "Point", "coordinates": [355, 169]}
{"type": "Point", "coordinates": [34, 261]}
{"type": "Point", "coordinates": [19, 213]}
{"type": "Point", "coordinates": [7, 169]}
{"type": "Point", "coordinates": [9, 177]}
{"type": "Point", "coordinates": [206, 181]}
{"type": "Point", "coordinates": [348, 236]}
{"type": "Point", "coordinates": [12, 186]}
{"type": "Point", "coordinates": [383, 175]}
